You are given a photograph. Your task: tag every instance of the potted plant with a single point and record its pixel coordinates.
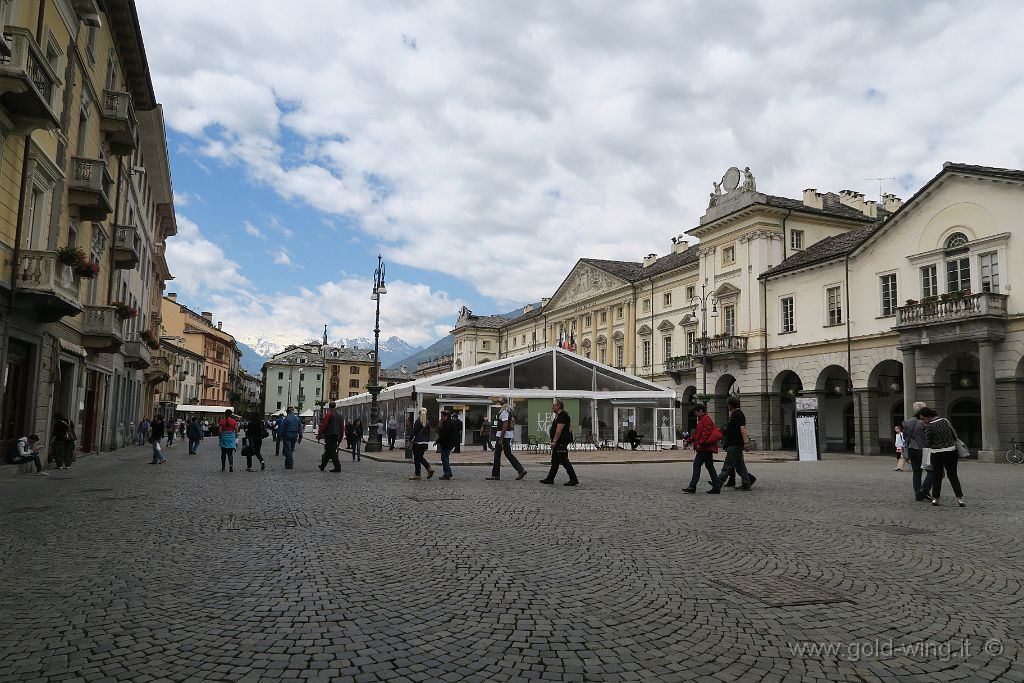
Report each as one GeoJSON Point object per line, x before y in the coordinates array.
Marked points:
{"type": "Point", "coordinates": [87, 269]}
{"type": "Point", "coordinates": [150, 339]}
{"type": "Point", "coordinates": [912, 302]}
{"type": "Point", "coordinates": [124, 310]}
{"type": "Point", "coordinates": [71, 256]}
{"type": "Point", "coordinates": [945, 297]}
{"type": "Point", "coordinates": [702, 398]}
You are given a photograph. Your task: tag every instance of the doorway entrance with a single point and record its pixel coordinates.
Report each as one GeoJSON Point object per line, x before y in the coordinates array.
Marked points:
{"type": "Point", "coordinates": [17, 374]}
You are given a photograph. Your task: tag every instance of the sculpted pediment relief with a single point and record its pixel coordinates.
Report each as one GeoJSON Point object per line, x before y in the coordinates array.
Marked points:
{"type": "Point", "coordinates": [584, 282]}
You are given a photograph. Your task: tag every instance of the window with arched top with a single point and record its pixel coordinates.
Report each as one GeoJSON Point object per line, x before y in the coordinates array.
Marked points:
{"type": "Point", "coordinates": [957, 239]}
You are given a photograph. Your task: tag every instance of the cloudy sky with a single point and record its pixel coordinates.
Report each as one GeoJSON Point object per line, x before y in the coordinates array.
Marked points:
{"type": "Point", "coordinates": [482, 147]}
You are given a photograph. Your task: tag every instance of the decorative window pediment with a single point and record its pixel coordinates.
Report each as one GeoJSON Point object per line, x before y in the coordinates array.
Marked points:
{"type": "Point", "coordinates": [618, 336]}
{"type": "Point", "coordinates": [727, 291]}
{"type": "Point", "coordinates": [602, 340]}
{"type": "Point", "coordinates": [666, 326]}
{"type": "Point", "coordinates": [644, 331]}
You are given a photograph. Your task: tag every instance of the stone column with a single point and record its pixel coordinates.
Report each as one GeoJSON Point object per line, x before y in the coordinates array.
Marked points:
{"type": "Point", "coordinates": [629, 334]}
{"type": "Point", "coordinates": [909, 381]}
{"type": "Point", "coordinates": [865, 421]}
{"type": "Point", "coordinates": [989, 410]}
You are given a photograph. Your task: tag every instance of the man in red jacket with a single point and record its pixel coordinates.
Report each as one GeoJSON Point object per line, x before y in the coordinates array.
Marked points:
{"type": "Point", "coordinates": [705, 443]}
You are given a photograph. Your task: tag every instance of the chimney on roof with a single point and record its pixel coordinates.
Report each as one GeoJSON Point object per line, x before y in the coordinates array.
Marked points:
{"type": "Point", "coordinates": [527, 308]}
{"type": "Point", "coordinates": [679, 244]}
{"type": "Point", "coordinates": [649, 259]}
{"type": "Point", "coordinates": [208, 315]}
{"type": "Point", "coordinates": [854, 200]}
{"type": "Point", "coordinates": [220, 325]}
{"type": "Point", "coordinates": [812, 199]}
{"type": "Point", "coordinates": [891, 202]}
{"type": "Point", "coordinates": [173, 296]}
{"type": "Point", "coordinates": [870, 209]}
{"type": "Point", "coordinates": [544, 301]}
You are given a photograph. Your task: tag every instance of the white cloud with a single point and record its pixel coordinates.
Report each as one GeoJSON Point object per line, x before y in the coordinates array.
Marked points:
{"type": "Point", "coordinates": [281, 258]}
{"type": "Point", "coordinates": [198, 265]}
{"type": "Point", "coordinates": [553, 131]}
{"type": "Point", "coordinates": [253, 230]}
{"type": "Point", "coordinates": [181, 199]}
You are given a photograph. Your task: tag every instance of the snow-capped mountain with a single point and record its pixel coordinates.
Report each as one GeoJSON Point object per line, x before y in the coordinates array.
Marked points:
{"type": "Point", "coordinates": [392, 349]}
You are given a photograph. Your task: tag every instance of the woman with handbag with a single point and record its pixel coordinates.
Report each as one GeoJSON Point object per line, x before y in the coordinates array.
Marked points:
{"type": "Point", "coordinates": [705, 438]}
{"type": "Point", "coordinates": [420, 441]}
{"type": "Point", "coordinates": [228, 428]}
{"type": "Point", "coordinates": [255, 432]}
{"type": "Point", "coordinates": [943, 451]}
{"type": "Point", "coordinates": [901, 446]}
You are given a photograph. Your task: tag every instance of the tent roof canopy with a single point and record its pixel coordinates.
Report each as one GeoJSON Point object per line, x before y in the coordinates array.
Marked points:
{"type": "Point", "coordinates": [219, 410]}
{"type": "Point", "coordinates": [545, 372]}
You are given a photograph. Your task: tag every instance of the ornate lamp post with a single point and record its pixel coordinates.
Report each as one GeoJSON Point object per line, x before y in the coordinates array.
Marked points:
{"type": "Point", "coordinates": [373, 442]}
{"type": "Point", "coordinates": [702, 301]}
{"type": "Point", "coordinates": [323, 384]}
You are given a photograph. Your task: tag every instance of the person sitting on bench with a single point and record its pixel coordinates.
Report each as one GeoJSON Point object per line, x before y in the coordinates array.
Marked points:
{"type": "Point", "coordinates": [26, 449]}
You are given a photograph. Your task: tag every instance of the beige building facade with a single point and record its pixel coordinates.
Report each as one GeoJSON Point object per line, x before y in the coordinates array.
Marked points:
{"type": "Point", "coordinates": [220, 380]}
{"type": "Point", "coordinates": [866, 306]}
{"type": "Point", "coordinates": [85, 204]}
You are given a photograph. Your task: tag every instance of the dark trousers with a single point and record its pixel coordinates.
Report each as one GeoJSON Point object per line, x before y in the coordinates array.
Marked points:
{"type": "Point", "coordinates": [486, 438]}
{"type": "Point", "coordinates": [945, 463]}
{"type": "Point", "coordinates": [277, 443]}
{"type": "Point", "coordinates": [734, 465]}
{"type": "Point", "coordinates": [227, 456]}
{"type": "Point", "coordinates": [560, 457]}
{"type": "Point", "coordinates": [418, 449]}
{"type": "Point", "coordinates": [922, 489]}
{"type": "Point", "coordinates": [392, 435]}
{"type": "Point", "coordinates": [704, 459]}
{"type": "Point", "coordinates": [330, 452]}
{"type": "Point", "coordinates": [193, 446]}
{"type": "Point", "coordinates": [22, 459]}
{"type": "Point", "coordinates": [500, 446]}
{"type": "Point", "coordinates": [256, 444]}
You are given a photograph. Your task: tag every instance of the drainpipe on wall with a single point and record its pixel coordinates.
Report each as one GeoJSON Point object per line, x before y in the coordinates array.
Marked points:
{"type": "Point", "coordinates": [652, 330]}
{"type": "Point", "coordinates": [764, 363]}
{"type": "Point", "coordinates": [849, 348]}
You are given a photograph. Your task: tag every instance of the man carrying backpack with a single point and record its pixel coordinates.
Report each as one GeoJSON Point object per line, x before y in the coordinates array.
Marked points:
{"type": "Point", "coordinates": [561, 437]}
{"type": "Point", "coordinates": [705, 438]}
{"type": "Point", "coordinates": [503, 442]}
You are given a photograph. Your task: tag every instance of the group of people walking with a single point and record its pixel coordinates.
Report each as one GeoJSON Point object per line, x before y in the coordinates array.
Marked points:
{"type": "Point", "coordinates": [933, 448]}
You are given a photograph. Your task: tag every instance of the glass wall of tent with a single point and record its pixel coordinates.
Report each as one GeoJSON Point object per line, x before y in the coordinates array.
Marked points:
{"type": "Point", "coordinates": [603, 403]}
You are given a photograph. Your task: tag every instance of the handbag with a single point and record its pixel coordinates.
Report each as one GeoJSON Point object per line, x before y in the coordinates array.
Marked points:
{"type": "Point", "coordinates": [961, 449]}
{"type": "Point", "coordinates": [926, 459]}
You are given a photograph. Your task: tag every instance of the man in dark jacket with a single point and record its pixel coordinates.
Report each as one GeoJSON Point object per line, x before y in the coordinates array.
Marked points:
{"type": "Point", "coordinates": [914, 433]}
{"type": "Point", "coordinates": [560, 432]}
{"type": "Point", "coordinates": [706, 447]}
{"type": "Point", "coordinates": [331, 429]}
{"type": "Point", "coordinates": [194, 432]}
{"type": "Point", "coordinates": [449, 434]}
{"type": "Point", "coordinates": [736, 440]}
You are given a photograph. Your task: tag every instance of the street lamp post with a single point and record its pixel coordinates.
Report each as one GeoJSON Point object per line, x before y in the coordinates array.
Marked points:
{"type": "Point", "coordinates": [323, 382]}
{"type": "Point", "coordinates": [373, 440]}
{"type": "Point", "coordinates": [702, 302]}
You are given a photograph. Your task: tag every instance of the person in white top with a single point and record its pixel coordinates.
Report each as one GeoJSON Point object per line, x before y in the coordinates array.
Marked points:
{"type": "Point", "coordinates": [503, 442]}
{"type": "Point", "coordinates": [901, 447]}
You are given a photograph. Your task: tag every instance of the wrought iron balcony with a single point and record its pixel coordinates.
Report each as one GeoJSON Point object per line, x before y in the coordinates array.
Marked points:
{"type": "Point", "coordinates": [209, 382]}
{"type": "Point", "coordinates": [27, 83]}
{"type": "Point", "coordinates": [47, 289]}
{"type": "Point", "coordinates": [953, 308]}
{"type": "Point", "coordinates": [102, 329]}
{"type": "Point", "coordinates": [127, 245]}
{"type": "Point", "coordinates": [90, 188]}
{"type": "Point", "coordinates": [137, 355]}
{"type": "Point", "coordinates": [118, 122]}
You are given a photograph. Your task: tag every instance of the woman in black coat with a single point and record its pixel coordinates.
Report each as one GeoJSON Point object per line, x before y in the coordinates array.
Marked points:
{"type": "Point", "coordinates": [255, 432]}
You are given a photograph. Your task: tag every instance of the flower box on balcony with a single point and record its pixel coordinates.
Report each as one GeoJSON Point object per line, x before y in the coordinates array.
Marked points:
{"type": "Point", "coordinates": [124, 310]}
{"type": "Point", "coordinates": [87, 269]}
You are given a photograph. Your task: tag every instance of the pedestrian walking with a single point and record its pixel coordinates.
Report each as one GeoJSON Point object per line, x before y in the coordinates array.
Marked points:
{"type": "Point", "coordinates": [420, 441]}
{"type": "Point", "coordinates": [228, 439]}
{"type": "Point", "coordinates": [901, 444]}
{"type": "Point", "coordinates": [194, 432]}
{"type": "Point", "coordinates": [156, 433]}
{"type": "Point", "coordinates": [181, 428]}
{"type": "Point", "coordinates": [26, 449]}
{"type": "Point", "coordinates": [942, 452]}
{"type": "Point", "coordinates": [704, 438]}
{"type": "Point", "coordinates": [143, 431]}
{"type": "Point", "coordinates": [449, 433]}
{"type": "Point", "coordinates": [561, 436]}
{"type": "Point", "coordinates": [331, 429]}
{"type": "Point", "coordinates": [485, 433]}
{"type": "Point", "coordinates": [276, 431]}
{"type": "Point", "coordinates": [172, 429]}
{"type": "Point", "coordinates": [62, 441]}
{"type": "Point", "coordinates": [255, 433]}
{"type": "Point", "coordinates": [503, 444]}
{"type": "Point", "coordinates": [357, 440]}
{"type": "Point", "coordinates": [736, 441]}
{"type": "Point", "coordinates": [392, 432]}
{"type": "Point", "coordinates": [916, 440]}
{"type": "Point", "coordinates": [289, 433]}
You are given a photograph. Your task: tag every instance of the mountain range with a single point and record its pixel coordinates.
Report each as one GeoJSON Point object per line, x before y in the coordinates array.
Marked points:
{"type": "Point", "coordinates": [256, 350]}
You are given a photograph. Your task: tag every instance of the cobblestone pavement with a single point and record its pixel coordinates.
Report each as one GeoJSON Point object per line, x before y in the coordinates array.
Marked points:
{"type": "Point", "coordinates": [119, 570]}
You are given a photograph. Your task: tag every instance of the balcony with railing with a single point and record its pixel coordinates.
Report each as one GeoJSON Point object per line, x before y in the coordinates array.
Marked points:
{"type": "Point", "coordinates": [728, 344]}
{"type": "Point", "coordinates": [102, 329]}
{"type": "Point", "coordinates": [209, 382]}
{"type": "Point", "coordinates": [47, 289]}
{"type": "Point", "coordinates": [158, 370]}
{"type": "Point", "coordinates": [90, 188]}
{"type": "Point", "coordinates": [127, 246]}
{"type": "Point", "coordinates": [27, 83]}
{"type": "Point", "coordinates": [118, 122]}
{"type": "Point", "coordinates": [681, 364]}
{"type": "Point", "coordinates": [137, 355]}
{"type": "Point", "coordinates": [951, 308]}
